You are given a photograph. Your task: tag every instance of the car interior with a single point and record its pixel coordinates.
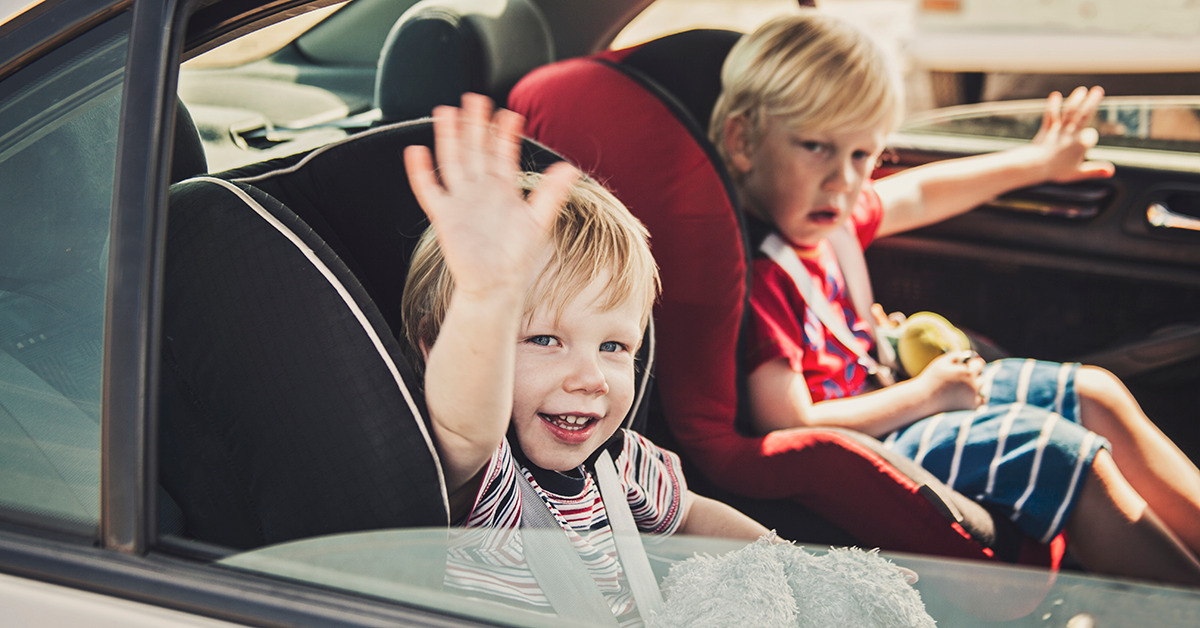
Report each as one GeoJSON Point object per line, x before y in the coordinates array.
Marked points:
{"type": "Point", "coordinates": [348, 194]}
{"type": "Point", "coordinates": [273, 390]}
{"type": "Point", "coordinates": [304, 146]}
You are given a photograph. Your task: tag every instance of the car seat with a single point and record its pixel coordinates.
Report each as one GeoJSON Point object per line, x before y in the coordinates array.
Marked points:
{"type": "Point", "coordinates": [441, 48]}
{"type": "Point", "coordinates": [636, 119]}
{"type": "Point", "coordinates": [287, 410]}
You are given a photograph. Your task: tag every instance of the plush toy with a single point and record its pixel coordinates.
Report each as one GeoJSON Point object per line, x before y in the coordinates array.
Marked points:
{"type": "Point", "coordinates": [769, 584]}
{"type": "Point", "coordinates": [925, 336]}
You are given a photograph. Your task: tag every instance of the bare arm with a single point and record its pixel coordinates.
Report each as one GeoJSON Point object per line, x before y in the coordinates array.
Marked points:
{"type": "Point", "coordinates": [492, 241]}
{"type": "Point", "coordinates": [779, 398]}
{"type": "Point", "coordinates": [707, 517]}
{"type": "Point", "coordinates": [928, 194]}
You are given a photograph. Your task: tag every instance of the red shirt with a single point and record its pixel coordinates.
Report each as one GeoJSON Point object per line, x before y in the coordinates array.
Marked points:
{"type": "Point", "coordinates": [782, 326]}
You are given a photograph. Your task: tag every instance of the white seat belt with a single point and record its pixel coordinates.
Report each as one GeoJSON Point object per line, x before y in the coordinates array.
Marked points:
{"type": "Point", "coordinates": [556, 566]}
{"type": "Point", "coordinates": [848, 250]}
{"type": "Point", "coordinates": [785, 256]}
{"type": "Point", "coordinates": [561, 573]}
{"type": "Point", "coordinates": [625, 534]}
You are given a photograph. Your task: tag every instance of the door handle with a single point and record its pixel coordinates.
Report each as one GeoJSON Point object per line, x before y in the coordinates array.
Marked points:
{"type": "Point", "coordinates": [1159, 215]}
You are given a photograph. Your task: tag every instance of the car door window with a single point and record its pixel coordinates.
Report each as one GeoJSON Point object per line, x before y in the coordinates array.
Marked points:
{"type": "Point", "coordinates": [58, 141]}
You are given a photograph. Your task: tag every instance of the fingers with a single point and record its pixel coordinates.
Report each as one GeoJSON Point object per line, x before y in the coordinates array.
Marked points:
{"type": "Point", "coordinates": [881, 319]}
{"type": "Point", "coordinates": [446, 144]}
{"type": "Point", "coordinates": [471, 142]}
{"type": "Point", "coordinates": [1096, 170]}
{"type": "Point", "coordinates": [1051, 118]}
{"type": "Point", "coordinates": [552, 191]}
{"type": "Point", "coordinates": [475, 128]}
{"type": "Point", "coordinates": [1077, 112]}
{"type": "Point", "coordinates": [418, 162]}
{"type": "Point", "coordinates": [507, 141]}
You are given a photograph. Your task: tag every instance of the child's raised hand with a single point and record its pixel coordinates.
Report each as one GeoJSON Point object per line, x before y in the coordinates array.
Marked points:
{"type": "Point", "coordinates": [953, 381]}
{"type": "Point", "coordinates": [1065, 136]}
{"type": "Point", "coordinates": [491, 237]}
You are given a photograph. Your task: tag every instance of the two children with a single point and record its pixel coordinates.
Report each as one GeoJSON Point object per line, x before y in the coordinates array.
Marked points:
{"type": "Point", "coordinates": [807, 104]}
{"type": "Point", "coordinates": [527, 303]}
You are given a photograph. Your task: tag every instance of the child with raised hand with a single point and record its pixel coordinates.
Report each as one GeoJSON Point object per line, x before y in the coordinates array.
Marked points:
{"type": "Point", "coordinates": [526, 301]}
{"type": "Point", "coordinates": [807, 104]}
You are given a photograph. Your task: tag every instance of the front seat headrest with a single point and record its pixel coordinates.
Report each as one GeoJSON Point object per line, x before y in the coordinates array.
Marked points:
{"type": "Point", "coordinates": [441, 48]}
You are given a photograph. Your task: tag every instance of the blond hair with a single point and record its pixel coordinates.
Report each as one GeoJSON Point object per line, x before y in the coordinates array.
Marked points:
{"type": "Point", "coordinates": [593, 233]}
{"type": "Point", "coordinates": [814, 71]}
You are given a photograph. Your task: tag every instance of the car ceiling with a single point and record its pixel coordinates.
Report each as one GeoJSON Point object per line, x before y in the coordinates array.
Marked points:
{"type": "Point", "coordinates": [579, 26]}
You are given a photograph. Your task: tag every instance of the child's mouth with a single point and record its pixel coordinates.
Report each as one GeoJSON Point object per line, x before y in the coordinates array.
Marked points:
{"type": "Point", "coordinates": [570, 427]}
{"type": "Point", "coordinates": [823, 216]}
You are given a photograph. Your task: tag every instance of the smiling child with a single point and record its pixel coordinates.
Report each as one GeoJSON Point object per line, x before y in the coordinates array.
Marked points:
{"type": "Point", "coordinates": [526, 301]}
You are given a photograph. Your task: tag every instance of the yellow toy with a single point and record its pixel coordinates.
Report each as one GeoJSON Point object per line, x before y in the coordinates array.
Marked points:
{"type": "Point", "coordinates": [925, 336]}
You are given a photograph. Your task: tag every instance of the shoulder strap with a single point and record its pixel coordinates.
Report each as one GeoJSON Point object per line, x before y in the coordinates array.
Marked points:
{"type": "Point", "coordinates": [848, 250]}
{"type": "Point", "coordinates": [556, 565]}
{"type": "Point", "coordinates": [784, 255]}
{"type": "Point", "coordinates": [625, 533]}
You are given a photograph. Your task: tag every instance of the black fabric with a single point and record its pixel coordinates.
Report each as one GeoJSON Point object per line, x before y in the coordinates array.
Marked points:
{"type": "Point", "coordinates": [441, 48]}
{"type": "Point", "coordinates": [687, 65]}
{"type": "Point", "coordinates": [187, 154]}
{"type": "Point", "coordinates": [279, 419]}
{"type": "Point", "coordinates": [355, 195]}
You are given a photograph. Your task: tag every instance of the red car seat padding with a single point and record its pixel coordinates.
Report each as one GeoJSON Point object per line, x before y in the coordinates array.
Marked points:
{"type": "Point", "coordinates": [637, 140]}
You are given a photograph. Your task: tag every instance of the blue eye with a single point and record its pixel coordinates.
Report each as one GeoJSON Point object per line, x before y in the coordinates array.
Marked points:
{"type": "Point", "coordinates": [611, 346]}
{"type": "Point", "coordinates": [544, 341]}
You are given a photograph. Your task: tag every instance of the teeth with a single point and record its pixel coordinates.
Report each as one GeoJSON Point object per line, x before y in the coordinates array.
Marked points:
{"type": "Point", "coordinates": [569, 421]}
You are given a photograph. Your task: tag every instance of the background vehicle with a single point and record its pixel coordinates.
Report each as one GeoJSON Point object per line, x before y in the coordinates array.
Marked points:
{"type": "Point", "coordinates": [87, 93]}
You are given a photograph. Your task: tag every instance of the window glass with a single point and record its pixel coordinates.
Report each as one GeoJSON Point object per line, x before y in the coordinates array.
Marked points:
{"type": "Point", "coordinates": [58, 141]}
{"type": "Point", "coordinates": [1155, 123]}
{"type": "Point", "coordinates": [451, 572]}
{"type": "Point", "coordinates": [671, 16]}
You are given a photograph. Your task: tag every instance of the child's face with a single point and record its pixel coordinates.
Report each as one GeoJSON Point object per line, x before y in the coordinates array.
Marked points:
{"type": "Point", "coordinates": [806, 183]}
{"type": "Point", "coordinates": [574, 377]}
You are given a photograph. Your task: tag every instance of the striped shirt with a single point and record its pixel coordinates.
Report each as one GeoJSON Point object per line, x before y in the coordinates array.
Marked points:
{"type": "Point", "coordinates": [486, 557]}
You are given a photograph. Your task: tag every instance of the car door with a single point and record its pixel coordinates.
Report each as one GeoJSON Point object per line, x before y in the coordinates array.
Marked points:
{"type": "Point", "coordinates": [1105, 272]}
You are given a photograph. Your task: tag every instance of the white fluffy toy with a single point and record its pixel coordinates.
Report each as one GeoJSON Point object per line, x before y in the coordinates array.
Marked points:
{"type": "Point", "coordinates": [770, 584]}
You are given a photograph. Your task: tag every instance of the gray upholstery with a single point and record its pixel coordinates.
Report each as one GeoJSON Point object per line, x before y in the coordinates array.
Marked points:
{"type": "Point", "coordinates": [441, 48]}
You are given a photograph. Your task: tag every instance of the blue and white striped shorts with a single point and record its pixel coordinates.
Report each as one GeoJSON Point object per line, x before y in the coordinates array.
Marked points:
{"type": "Point", "coordinates": [1024, 453]}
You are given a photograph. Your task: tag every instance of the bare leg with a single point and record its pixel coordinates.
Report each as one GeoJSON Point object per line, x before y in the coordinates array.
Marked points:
{"type": "Point", "coordinates": [1113, 531]}
{"type": "Point", "coordinates": [1153, 465]}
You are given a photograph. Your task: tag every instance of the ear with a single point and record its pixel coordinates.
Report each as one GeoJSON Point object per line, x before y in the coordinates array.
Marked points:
{"type": "Point", "coordinates": [736, 145]}
{"type": "Point", "coordinates": [424, 350]}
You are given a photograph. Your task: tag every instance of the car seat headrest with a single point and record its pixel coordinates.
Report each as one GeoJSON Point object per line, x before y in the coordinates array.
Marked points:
{"type": "Point", "coordinates": [441, 48]}
{"type": "Point", "coordinates": [686, 65]}
{"type": "Point", "coordinates": [356, 196]}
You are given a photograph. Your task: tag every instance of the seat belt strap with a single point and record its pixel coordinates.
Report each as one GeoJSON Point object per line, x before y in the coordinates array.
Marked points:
{"type": "Point", "coordinates": [785, 256]}
{"type": "Point", "coordinates": [629, 543]}
{"type": "Point", "coordinates": [848, 250]}
{"type": "Point", "coordinates": [556, 565]}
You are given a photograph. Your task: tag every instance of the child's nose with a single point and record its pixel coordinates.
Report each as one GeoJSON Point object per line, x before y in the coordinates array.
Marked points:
{"type": "Point", "coordinates": [840, 178]}
{"type": "Point", "coordinates": [586, 377]}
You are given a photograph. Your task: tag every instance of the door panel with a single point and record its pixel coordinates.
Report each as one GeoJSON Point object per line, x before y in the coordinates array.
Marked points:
{"type": "Point", "coordinates": [1071, 272]}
